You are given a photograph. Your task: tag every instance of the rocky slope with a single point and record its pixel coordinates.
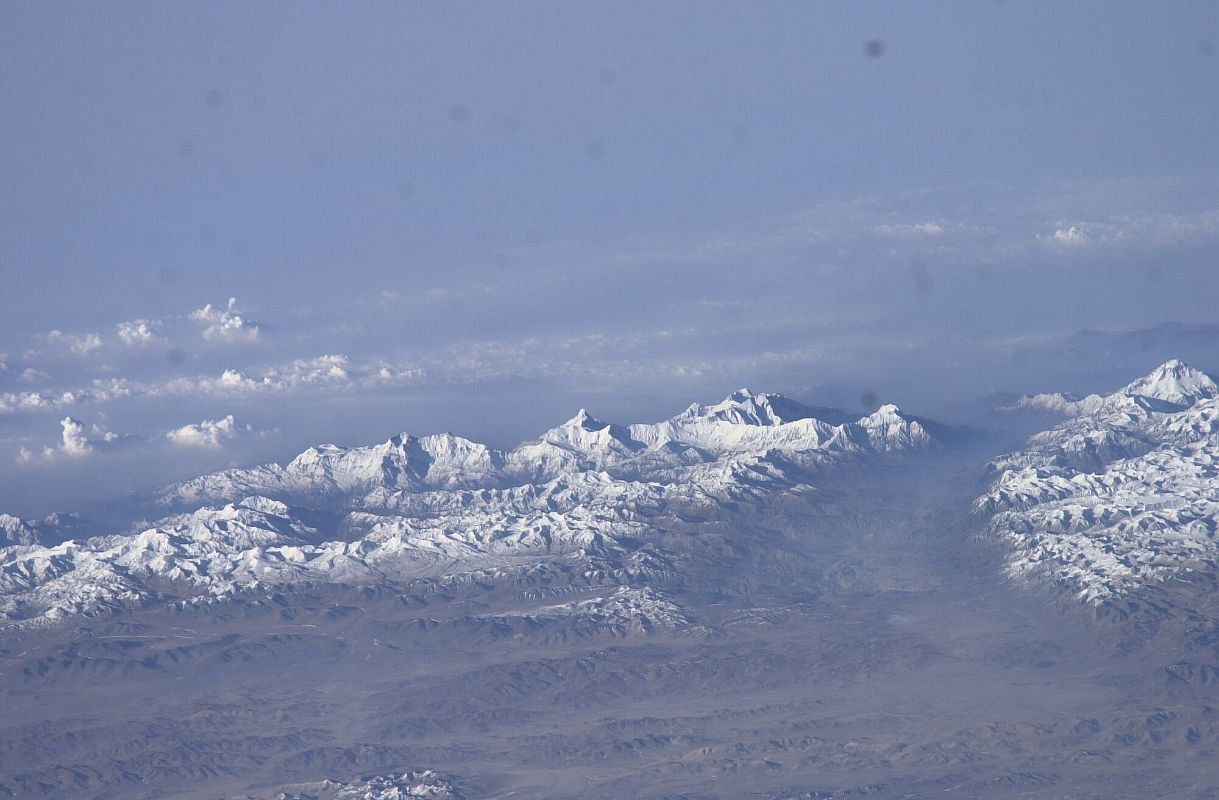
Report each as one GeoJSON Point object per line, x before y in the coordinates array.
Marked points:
{"type": "Point", "coordinates": [1120, 495]}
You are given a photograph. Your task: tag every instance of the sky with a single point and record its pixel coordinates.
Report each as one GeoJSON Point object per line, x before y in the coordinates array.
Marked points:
{"type": "Point", "coordinates": [234, 230]}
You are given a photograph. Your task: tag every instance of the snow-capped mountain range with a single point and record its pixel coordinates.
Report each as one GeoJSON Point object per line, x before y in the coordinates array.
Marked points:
{"type": "Point", "coordinates": [425, 784]}
{"type": "Point", "coordinates": [412, 508]}
{"type": "Point", "coordinates": [1121, 494]}
{"type": "Point", "coordinates": [1173, 383]}
{"type": "Point", "coordinates": [743, 424]}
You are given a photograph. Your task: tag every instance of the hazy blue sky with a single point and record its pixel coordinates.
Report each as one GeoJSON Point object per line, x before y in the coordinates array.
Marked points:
{"type": "Point", "coordinates": [480, 217]}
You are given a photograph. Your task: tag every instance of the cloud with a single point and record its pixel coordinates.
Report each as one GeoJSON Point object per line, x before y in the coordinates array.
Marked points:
{"type": "Point", "coordinates": [139, 332]}
{"type": "Point", "coordinates": [1072, 236]}
{"type": "Point", "coordinates": [325, 374]}
{"type": "Point", "coordinates": [208, 433]}
{"type": "Point", "coordinates": [31, 375]}
{"type": "Point", "coordinates": [226, 325]}
{"type": "Point", "coordinates": [911, 229]}
{"type": "Point", "coordinates": [1131, 231]}
{"type": "Point", "coordinates": [76, 441]}
{"type": "Point", "coordinates": [28, 457]}
{"type": "Point", "coordinates": [99, 391]}
{"type": "Point", "coordinates": [983, 249]}
{"type": "Point", "coordinates": [78, 344]}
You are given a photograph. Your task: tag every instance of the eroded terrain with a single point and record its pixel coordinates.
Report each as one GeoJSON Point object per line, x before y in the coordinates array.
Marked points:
{"type": "Point", "coordinates": [841, 659]}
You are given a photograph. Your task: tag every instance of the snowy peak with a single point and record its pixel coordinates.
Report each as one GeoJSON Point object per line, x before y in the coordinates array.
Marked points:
{"type": "Point", "coordinates": [1174, 382]}
{"type": "Point", "coordinates": [582, 443]}
{"type": "Point", "coordinates": [1063, 403]}
{"type": "Point", "coordinates": [404, 461]}
{"type": "Point", "coordinates": [14, 530]}
{"type": "Point", "coordinates": [330, 466]}
{"type": "Point", "coordinates": [888, 430]}
{"type": "Point", "coordinates": [888, 412]}
{"type": "Point", "coordinates": [744, 407]}
{"type": "Point", "coordinates": [586, 433]}
{"type": "Point", "coordinates": [1172, 386]}
{"type": "Point", "coordinates": [742, 425]}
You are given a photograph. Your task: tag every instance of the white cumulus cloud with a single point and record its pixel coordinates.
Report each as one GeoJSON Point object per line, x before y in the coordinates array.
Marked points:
{"type": "Point", "coordinates": [76, 441]}
{"type": "Point", "coordinates": [1072, 236]}
{"type": "Point", "coordinates": [226, 324]}
{"type": "Point", "coordinates": [79, 344]}
{"type": "Point", "coordinates": [31, 375]}
{"type": "Point", "coordinates": [139, 332]}
{"type": "Point", "coordinates": [208, 433]}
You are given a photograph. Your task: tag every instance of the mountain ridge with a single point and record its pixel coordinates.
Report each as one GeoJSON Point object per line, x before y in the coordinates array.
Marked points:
{"type": "Point", "coordinates": [585, 492]}
{"type": "Point", "coordinates": [744, 422]}
{"type": "Point", "coordinates": [1118, 497]}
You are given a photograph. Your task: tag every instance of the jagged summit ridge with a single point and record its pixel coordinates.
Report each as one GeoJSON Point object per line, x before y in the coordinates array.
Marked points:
{"type": "Point", "coordinates": [747, 408]}
{"type": "Point", "coordinates": [745, 422]}
{"type": "Point", "coordinates": [585, 492]}
{"type": "Point", "coordinates": [1174, 383]}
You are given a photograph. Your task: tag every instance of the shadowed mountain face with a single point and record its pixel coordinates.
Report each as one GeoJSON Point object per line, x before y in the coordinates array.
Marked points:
{"type": "Point", "coordinates": [749, 599]}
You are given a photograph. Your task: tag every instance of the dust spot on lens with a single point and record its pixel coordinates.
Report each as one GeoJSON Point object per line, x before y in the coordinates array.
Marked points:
{"type": "Point", "coordinates": [177, 355]}
{"type": "Point", "coordinates": [214, 98]}
{"type": "Point", "coordinates": [459, 113]}
{"type": "Point", "coordinates": [868, 399]}
{"type": "Point", "coordinates": [596, 151]}
{"type": "Point", "coordinates": [1206, 47]}
{"type": "Point", "coordinates": [874, 48]}
{"type": "Point", "coordinates": [606, 78]}
{"type": "Point", "coordinates": [318, 158]}
{"type": "Point", "coordinates": [167, 274]}
{"type": "Point", "coordinates": [207, 233]}
{"type": "Point", "coordinates": [406, 190]}
{"type": "Point", "coordinates": [185, 149]}
{"type": "Point", "coordinates": [502, 261]}
{"type": "Point", "coordinates": [921, 276]}
{"type": "Point", "coordinates": [1155, 273]}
